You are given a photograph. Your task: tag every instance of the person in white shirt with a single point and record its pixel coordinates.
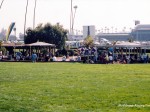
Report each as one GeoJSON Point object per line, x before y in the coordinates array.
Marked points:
{"type": "Point", "coordinates": [1, 56]}
{"type": "Point", "coordinates": [72, 59]}
{"type": "Point", "coordinates": [128, 59]}
{"type": "Point", "coordinates": [79, 58]}
{"type": "Point", "coordinates": [110, 59]}
{"type": "Point", "coordinates": [64, 58]}
{"type": "Point", "coordinates": [54, 58]}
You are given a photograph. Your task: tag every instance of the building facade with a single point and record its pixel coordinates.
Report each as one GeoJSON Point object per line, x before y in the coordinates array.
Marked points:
{"type": "Point", "coordinates": [141, 32]}
{"type": "Point", "coordinates": [89, 31]}
{"type": "Point", "coordinates": [114, 36]}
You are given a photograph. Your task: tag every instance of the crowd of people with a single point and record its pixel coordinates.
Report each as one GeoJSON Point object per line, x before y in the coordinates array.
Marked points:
{"type": "Point", "coordinates": [34, 56]}
{"type": "Point", "coordinates": [108, 56]}
{"type": "Point", "coordinates": [123, 58]}
{"type": "Point", "coordinates": [84, 55]}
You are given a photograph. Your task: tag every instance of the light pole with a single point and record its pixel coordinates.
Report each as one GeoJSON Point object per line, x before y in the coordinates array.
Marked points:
{"type": "Point", "coordinates": [71, 15]}
{"type": "Point", "coordinates": [73, 18]}
{"type": "Point", "coordinates": [1, 4]}
{"type": "Point", "coordinates": [34, 14]}
{"type": "Point", "coordinates": [25, 17]}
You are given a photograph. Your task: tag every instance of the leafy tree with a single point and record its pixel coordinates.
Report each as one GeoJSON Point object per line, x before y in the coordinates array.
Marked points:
{"type": "Point", "coordinates": [0, 43]}
{"type": "Point", "coordinates": [64, 52]}
{"type": "Point", "coordinates": [53, 34]}
{"type": "Point", "coordinates": [3, 49]}
{"type": "Point", "coordinates": [88, 41]}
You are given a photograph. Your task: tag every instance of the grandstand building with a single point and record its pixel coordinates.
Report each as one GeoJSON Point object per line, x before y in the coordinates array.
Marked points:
{"type": "Point", "coordinates": [114, 36]}
{"type": "Point", "coordinates": [141, 32]}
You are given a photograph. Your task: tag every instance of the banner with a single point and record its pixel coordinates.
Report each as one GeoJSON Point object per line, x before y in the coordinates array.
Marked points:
{"type": "Point", "coordinates": [10, 30]}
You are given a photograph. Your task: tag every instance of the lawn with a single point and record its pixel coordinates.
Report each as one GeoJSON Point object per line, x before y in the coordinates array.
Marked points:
{"type": "Point", "coordinates": [74, 87]}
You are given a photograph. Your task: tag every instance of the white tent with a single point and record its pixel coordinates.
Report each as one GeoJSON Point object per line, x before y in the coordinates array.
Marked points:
{"type": "Point", "coordinates": [40, 44]}
{"type": "Point", "coordinates": [127, 44]}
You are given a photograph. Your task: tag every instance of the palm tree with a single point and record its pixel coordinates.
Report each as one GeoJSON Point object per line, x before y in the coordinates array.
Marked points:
{"type": "Point", "coordinates": [1, 4]}
{"type": "Point", "coordinates": [25, 17]}
{"type": "Point", "coordinates": [112, 29]}
{"type": "Point", "coordinates": [34, 14]}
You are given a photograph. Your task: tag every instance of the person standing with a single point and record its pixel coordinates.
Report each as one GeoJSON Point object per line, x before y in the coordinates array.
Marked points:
{"type": "Point", "coordinates": [34, 57]}
{"type": "Point", "coordinates": [1, 56]}
{"type": "Point", "coordinates": [64, 58]}
{"type": "Point", "coordinates": [54, 58]}
{"type": "Point", "coordinates": [110, 59]}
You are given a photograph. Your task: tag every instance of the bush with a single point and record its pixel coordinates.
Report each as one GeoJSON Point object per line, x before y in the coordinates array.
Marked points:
{"type": "Point", "coordinates": [71, 52]}
{"type": "Point", "coordinates": [44, 51]}
{"type": "Point", "coordinates": [3, 49]}
{"type": "Point", "coordinates": [61, 52]}
{"type": "Point", "coordinates": [65, 52]}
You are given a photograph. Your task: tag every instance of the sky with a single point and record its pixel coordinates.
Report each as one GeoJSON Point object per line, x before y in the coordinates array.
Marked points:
{"type": "Point", "coordinates": [101, 13]}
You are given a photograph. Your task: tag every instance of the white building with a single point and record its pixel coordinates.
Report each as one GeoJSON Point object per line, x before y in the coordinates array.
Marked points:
{"type": "Point", "coordinates": [77, 37]}
{"type": "Point", "coordinates": [74, 44]}
{"type": "Point", "coordinates": [141, 32]}
{"type": "Point", "coordinates": [114, 36]}
{"type": "Point", "coordinates": [89, 31]}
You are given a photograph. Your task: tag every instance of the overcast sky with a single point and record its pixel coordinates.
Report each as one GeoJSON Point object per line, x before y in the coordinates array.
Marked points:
{"type": "Point", "coordinates": [101, 13]}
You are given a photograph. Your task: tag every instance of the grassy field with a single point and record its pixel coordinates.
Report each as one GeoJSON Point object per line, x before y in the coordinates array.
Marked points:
{"type": "Point", "coordinates": [74, 87]}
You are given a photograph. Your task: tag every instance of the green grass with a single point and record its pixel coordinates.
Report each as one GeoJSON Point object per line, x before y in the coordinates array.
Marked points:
{"type": "Point", "coordinates": [74, 87]}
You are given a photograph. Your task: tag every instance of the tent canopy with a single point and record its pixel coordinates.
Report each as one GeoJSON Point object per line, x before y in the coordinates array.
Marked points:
{"type": "Point", "coordinates": [40, 44]}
